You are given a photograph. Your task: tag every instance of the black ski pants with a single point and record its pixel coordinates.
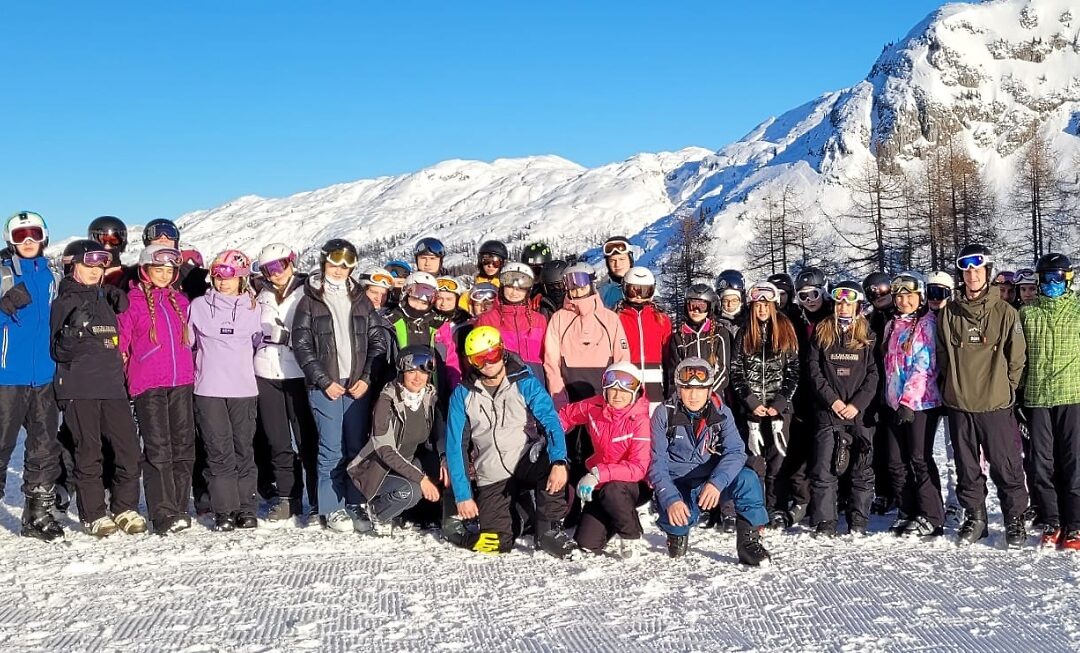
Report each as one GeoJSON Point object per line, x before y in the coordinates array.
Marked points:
{"type": "Point", "coordinates": [612, 511]}
{"type": "Point", "coordinates": [23, 406]}
{"type": "Point", "coordinates": [911, 448]}
{"type": "Point", "coordinates": [860, 472]}
{"type": "Point", "coordinates": [285, 417]}
{"type": "Point", "coordinates": [495, 501]}
{"type": "Point", "coordinates": [1055, 463]}
{"type": "Point", "coordinates": [167, 426]}
{"type": "Point", "coordinates": [91, 421]}
{"type": "Point", "coordinates": [994, 434]}
{"type": "Point", "coordinates": [227, 428]}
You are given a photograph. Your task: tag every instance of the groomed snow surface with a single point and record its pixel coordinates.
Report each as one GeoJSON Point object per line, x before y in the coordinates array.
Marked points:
{"type": "Point", "coordinates": [304, 589]}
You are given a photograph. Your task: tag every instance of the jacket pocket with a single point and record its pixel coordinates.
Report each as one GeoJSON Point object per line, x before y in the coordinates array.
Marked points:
{"type": "Point", "coordinates": [153, 350]}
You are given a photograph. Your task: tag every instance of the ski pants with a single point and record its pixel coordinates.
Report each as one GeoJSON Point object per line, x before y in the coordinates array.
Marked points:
{"type": "Point", "coordinates": [227, 429]}
{"type": "Point", "coordinates": [994, 434]}
{"type": "Point", "coordinates": [1055, 449]}
{"type": "Point", "coordinates": [912, 448]}
{"type": "Point", "coordinates": [285, 417]}
{"type": "Point", "coordinates": [394, 496]}
{"type": "Point", "coordinates": [825, 480]}
{"type": "Point", "coordinates": [90, 421]}
{"type": "Point", "coordinates": [167, 426]}
{"type": "Point", "coordinates": [343, 429]}
{"type": "Point", "coordinates": [745, 490]}
{"type": "Point", "coordinates": [23, 406]}
{"type": "Point", "coordinates": [612, 511]}
{"type": "Point", "coordinates": [794, 482]}
{"type": "Point", "coordinates": [769, 465]}
{"type": "Point", "coordinates": [495, 501]}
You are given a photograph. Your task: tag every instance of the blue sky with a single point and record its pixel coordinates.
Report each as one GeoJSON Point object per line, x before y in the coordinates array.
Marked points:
{"type": "Point", "coordinates": [147, 110]}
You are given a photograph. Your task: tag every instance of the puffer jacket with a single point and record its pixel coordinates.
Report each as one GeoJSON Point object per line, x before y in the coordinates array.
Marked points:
{"type": "Point", "coordinates": [385, 451]}
{"type": "Point", "coordinates": [87, 355]}
{"type": "Point", "coordinates": [521, 327]}
{"type": "Point", "coordinates": [1052, 332]}
{"type": "Point", "coordinates": [582, 339]}
{"type": "Point", "coordinates": [274, 361]}
{"type": "Point", "coordinates": [648, 332]}
{"type": "Point", "coordinates": [25, 338]}
{"type": "Point", "coordinates": [765, 378]}
{"type": "Point", "coordinates": [164, 361]}
{"type": "Point", "coordinates": [620, 437]}
{"type": "Point", "coordinates": [693, 450]}
{"type": "Point", "coordinates": [494, 427]}
{"type": "Point", "coordinates": [911, 363]}
{"type": "Point", "coordinates": [709, 340]}
{"type": "Point", "coordinates": [316, 348]}
{"type": "Point", "coordinates": [844, 374]}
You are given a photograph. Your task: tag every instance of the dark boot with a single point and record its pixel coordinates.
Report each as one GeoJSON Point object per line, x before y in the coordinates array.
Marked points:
{"type": "Point", "coordinates": [554, 540]}
{"type": "Point", "coordinates": [38, 520]}
{"type": "Point", "coordinates": [748, 544]}
{"type": "Point", "coordinates": [224, 522]}
{"type": "Point", "coordinates": [677, 545]}
{"type": "Point", "coordinates": [1016, 534]}
{"type": "Point", "coordinates": [825, 529]}
{"type": "Point", "coordinates": [246, 520]}
{"type": "Point", "coordinates": [974, 527]}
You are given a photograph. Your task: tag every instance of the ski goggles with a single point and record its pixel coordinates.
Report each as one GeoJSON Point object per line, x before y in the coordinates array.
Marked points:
{"type": "Point", "coordinates": [847, 295]}
{"type": "Point", "coordinates": [429, 246]}
{"type": "Point", "coordinates": [96, 259]}
{"type": "Point", "coordinates": [491, 259]}
{"type": "Point", "coordinates": [577, 280]}
{"type": "Point", "coordinates": [421, 292]}
{"type": "Point", "coordinates": [342, 258]}
{"type": "Point", "coordinates": [447, 284]}
{"type": "Point", "coordinates": [421, 361]}
{"type": "Point", "coordinates": [493, 355]}
{"type": "Point", "coordinates": [1055, 276]}
{"type": "Point", "coordinates": [809, 295]}
{"type": "Point", "coordinates": [162, 230]}
{"type": "Point", "coordinates": [34, 234]}
{"type": "Point", "coordinates": [904, 284]}
{"type": "Point", "coordinates": [973, 261]}
{"type": "Point", "coordinates": [515, 279]}
{"type": "Point", "coordinates": [227, 271]}
{"type": "Point", "coordinates": [277, 266]}
{"type": "Point", "coordinates": [169, 257]}
{"type": "Point", "coordinates": [381, 279]}
{"type": "Point", "coordinates": [109, 239]}
{"type": "Point", "coordinates": [613, 247]}
{"type": "Point", "coordinates": [397, 271]}
{"type": "Point", "coordinates": [636, 291]}
{"type": "Point", "coordinates": [1004, 279]}
{"type": "Point", "coordinates": [1025, 276]}
{"type": "Point", "coordinates": [697, 306]}
{"type": "Point", "coordinates": [879, 290]}
{"type": "Point", "coordinates": [937, 293]}
{"type": "Point", "coordinates": [620, 379]}
{"type": "Point", "coordinates": [193, 257]}
{"type": "Point", "coordinates": [481, 295]}
{"type": "Point", "coordinates": [761, 294]}
{"type": "Point", "coordinates": [693, 376]}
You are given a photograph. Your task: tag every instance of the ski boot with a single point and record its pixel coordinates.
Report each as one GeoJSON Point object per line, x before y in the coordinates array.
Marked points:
{"type": "Point", "coordinates": [554, 540]}
{"type": "Point", "coordinates": [1051, 537]}
{"type": "Point", "coordinates": [974, 527]}
{"type": "Point", "coordinates": [224, 522]}
{"type": "Point", "coordinates": [280, 512]}
{"type": "Point", "coordinates": [131, 522]}
{"type": "Point", "coordinates": [246, 520]}
{"type": "Point", "coordinates": [921, 527]}
{"type": "Point", "coordinates": [826, 529]}
{"type": "Point", "coordinates": [796, 513]}
{"type": "Point", "coordinates": [748, 544]}
{"type": "Point", "coordinates": [1016, 534]}
{"type": "Point", "coordinates": [730, 524]}
{"type": "Point", "coordinates": [777, 519]}
{"type": "Point", "coordinates": [900, 525]}
{"type": "Point", "coordinates": [38, 520]}
{"type": "Point", "coordinates": [677, 545]}
{"type": "Point", "coordinates": [1071, 541]}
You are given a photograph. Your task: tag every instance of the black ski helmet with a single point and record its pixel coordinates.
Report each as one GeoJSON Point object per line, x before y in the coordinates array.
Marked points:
{"type": "Point", "coordinates": [75, 251]}
{"type": "Point", "coordinates": [552, 272]}
{"type": "Point", "coordinates": [977, 249]}
{"type": "Point", "coordinates": [493, 248]}
{"type": "Point", "coordinates": [783, 282]}
{"type": "Point", "coordinates": [730, 280]}
{"type": "Point", "coordinates": [160, 227]}
{"type": "Point", "coordinates": [336, 245]}
{"type": "Point", "coordinates": [536, 254]}
{"type": "Point", "coordinates": [811, 277]}
{"type": "Point", "coordinates": [109, 231]}
{"type": "Point", "coordinates": [876, 284]}
{"type": "Point", "coordinates": [1053, 262]}
{"type": "Point", "coordinates": [704, 293]}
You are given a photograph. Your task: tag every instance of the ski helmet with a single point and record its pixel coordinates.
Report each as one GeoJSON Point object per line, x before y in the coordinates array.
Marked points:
{"type": "Point", "coordinates": [158, 256]}
{"type": "Point", "coordinates": [975, 255]}
{"type": "Point", "coordinates": [230, 264]}
{"type": "Point", "coordinates": [421, 278]}
{"type": "Point", "coordinates": [1053, 262]}
{"type": "Point", "coordinates": [110, 231]}
{"type": "Point", "coordinates": [639, 283]}
{"type": "Point", "coordinates": [432, 246]}
{"type": "Point", "coordinates": [552, 272]}
{"type": "Point", "coordinates": [811, 278]}
{"type": "Point", "coordinates": [940, 278]}
{"type": "Point", "coordinates": [158, 228]}
{"type": "Point", "coordinates": [275, 259]}
{"type": "Point", "coordinates": [338, 251]}
{"type": "Point", "coordinates": [516, 275]}
{"type": "Point", "coordinates": [482, 339]}
{"type": "Point", "coordinates": [1004, 278]}
{"type": "Point", "coordinates": [694, 372]}
{"type": "Point", "coordinates": [730, 280]}
{"type": "Point", "coordinates": [1055, 274]}
{"type": "Point", "coordinates": [24, 226]}
{"type": "Point", "coordinates": [85, 251]}
{"type": "Point", "coordinates": [618, 245]}
{"type": "Point", "coordinates": [579, 275]}
{"type": "Point", "coordinates": [783, 282]}
{"type": "Point", "coordinates": [624, 376]}
{"type": "Point", "coordinates": [876, 284]}
{"type": "Point", "coordinates": [703, 292]}
{"type": "Point", "coordinates": [536, 254]}
{"type": "Point", "coordinates": [398, 269]}
{"type": "Point", "coordinates": [416, 358]}
{"type": "Point", "coordinates": [494, 248]}
{"type": "Point", "coordinates": [376, 276]}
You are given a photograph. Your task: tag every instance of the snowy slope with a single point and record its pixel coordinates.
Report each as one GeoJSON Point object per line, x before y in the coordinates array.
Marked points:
{"type": "Point", "coordinates": [982, 70]}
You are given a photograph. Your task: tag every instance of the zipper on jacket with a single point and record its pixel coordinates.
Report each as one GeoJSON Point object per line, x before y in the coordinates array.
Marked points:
{"type": "Point", "coordinates": [3, 356]}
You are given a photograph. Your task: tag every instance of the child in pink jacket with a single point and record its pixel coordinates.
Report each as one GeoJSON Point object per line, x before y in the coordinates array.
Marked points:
{"type": "Point", "coordinates": [618, 425]}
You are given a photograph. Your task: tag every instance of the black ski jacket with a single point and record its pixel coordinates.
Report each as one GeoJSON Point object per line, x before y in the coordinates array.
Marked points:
{"type": "Point", "coordinates": [85, 341]}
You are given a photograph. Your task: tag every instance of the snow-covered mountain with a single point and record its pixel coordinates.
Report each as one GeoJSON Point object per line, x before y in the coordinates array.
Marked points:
{"type": "Point", "coordinates": [983, 71]}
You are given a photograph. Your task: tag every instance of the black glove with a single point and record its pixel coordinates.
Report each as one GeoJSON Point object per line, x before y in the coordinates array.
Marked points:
{"type": "Point", "coordinates": [16, 298]}
{"type": "Point", "coordinates": [904, 415]}
{"type": "Point", "coordinates": [278, 335]}
{"type": "Point", "coordinates": [116, 298]}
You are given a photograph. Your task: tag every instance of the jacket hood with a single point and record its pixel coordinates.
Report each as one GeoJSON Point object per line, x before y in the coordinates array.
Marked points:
{"type": "Point", "coordinates": [313, 286]}
{"type": "Point", "coordinates": [585, 305]}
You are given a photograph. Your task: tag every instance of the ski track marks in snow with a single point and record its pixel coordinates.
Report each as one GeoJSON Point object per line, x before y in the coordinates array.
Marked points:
{"type": "Point", "coordinates": [297, 589]}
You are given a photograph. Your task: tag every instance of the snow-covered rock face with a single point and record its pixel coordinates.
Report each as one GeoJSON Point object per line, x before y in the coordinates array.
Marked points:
{"type": "Point", "coordinates": [983, 71]}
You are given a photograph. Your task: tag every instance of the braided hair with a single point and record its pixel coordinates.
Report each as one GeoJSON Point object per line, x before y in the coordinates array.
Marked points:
{"type": "Point", "coordinates": [148, 291]}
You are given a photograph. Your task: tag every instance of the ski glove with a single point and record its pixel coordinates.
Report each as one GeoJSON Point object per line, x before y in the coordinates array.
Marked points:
{"type": "Point", "coordinates": [904, 415]}
{"type": "Point", "coordinates": [15, 298]}
{"type": "Point", "coordinates": [116, 298]}
{"type": "Point", "coordinates": [586, 486]}
{"type": "Point", "coordinates": [779, 438]}
{"type": "Point", "coordinates": [754, 441]}
{"type": "Point", "coordinates": [278, 335]}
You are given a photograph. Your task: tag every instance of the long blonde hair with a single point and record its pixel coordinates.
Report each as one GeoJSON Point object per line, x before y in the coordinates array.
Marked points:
{"type": "Point", "coordinates": [827, 333]}
{"type": "Point", "coordinates": [781, 333]}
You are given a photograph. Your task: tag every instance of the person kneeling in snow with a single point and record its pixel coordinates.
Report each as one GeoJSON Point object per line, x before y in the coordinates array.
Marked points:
{"type": "Point", "coordinates": [490, 410]}
{"type": "Point", "coordinates": [698, 459]}
{"type": "Point", "coordinates": [618, 425]}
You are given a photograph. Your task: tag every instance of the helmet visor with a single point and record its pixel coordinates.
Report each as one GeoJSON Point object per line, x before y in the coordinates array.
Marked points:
{"type": "Point", "coordinates": [419, 361]}
{"type": "Point", "coordinates": [515, 279]}
{"type": "Point", "coordinates": [637, 291]}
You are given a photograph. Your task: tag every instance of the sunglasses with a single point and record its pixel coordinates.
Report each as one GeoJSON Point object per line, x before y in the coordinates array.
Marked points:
{"type": "Point", "coordinates": [163, 230]}
{"type": "Point", "coordinates": [515, 279]}
{"type": "Point", "coordinates": [620, 379]}
{"type": "Point", "coordinates": [493, 355]}
{"type": "Point", "coordinates": [697, 306]}
{"type": "Point", "coordinates": [96, 259]}
{"type": "Point", "coordinates": [973, 261]}
{"type": "Point", "coordinates": [616, 247]}
{"type": "Point", "coordinates": [847, 295]}
{"type": "Point", "coordinates": [693, 376]}
{"type": "Point", "coordinates": [937, 293]}
{"type": "Point", "coordinates": [577, 280]}
{"type": "Point", "coordinates": [271, 268]}
{"type": "Point", "coordinates": [20, 235]}
{"type": "Point", "coordinates": [225, 271]}
{"type": "Point", "coordinates": [420, 361]}
{"type": "Point", "coordinates": [445, 284]}
{"type": "Point", "coordinates": [904, 285]}
{"type": "Point", "coordinates": [170, 257]}
{"type": "Point", "coordinates": [491, 259]}
{"type": "Point", "coordinates": [342, 258]}
{"type": "Point", "coordinates": [810, 295]}
{"type": "Point", "coordinates": [635, 291]}
{"type": "Point", "coordinates": [763, 295]}
{"type": "Point", "coordinates": [422, 292]}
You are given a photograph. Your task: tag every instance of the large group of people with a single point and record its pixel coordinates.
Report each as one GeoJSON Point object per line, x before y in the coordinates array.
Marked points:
{"type": "Point", "coordinates": [532, 398]}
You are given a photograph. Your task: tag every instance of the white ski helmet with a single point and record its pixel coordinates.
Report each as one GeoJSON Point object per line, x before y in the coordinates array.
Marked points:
{"type": "Point", "coordinates": [377, 276]}
{"type": "Point", "coordinates": [615, 376]}
{"type": "Point", "coordinates": [639, 276]}
{"type": "Point", "coordinates": [939, 278]}
{"type": "Point", "coordinates": [276, 252]}
{"type": "Point", "coordinates": [422, 278]}
{"type": "Point", "coordinates": [516, 275]}
{"type": "Point", "coordinates": [25, 220]}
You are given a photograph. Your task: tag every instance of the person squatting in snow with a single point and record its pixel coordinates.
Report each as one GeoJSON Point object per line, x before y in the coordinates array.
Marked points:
{"type": "Point", "coordinates": [569, 405]}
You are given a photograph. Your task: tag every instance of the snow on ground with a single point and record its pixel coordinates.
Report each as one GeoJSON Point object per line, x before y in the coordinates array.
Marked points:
{"type": "Point", "coordinates": [305, 589]}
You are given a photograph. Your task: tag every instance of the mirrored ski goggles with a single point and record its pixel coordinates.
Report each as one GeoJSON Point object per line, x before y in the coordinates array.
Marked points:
{"type": "Point", "coordinates": [577, 280]}
{"type": "Point", "coordinates": [481, 295]}
{"type": "Point", "coordinates": [1004, 279]}
{"type": "Point", "coordinates": [693, 376]}
{"type": "Point", "coordinates": [937, 293]}
{"type": "Point", "coordinates": [169, 257]}
{"type": "Point", "coordinates": [697, 306]}
{"type": "Point", "coordinates": [515, 279]}
{"type": "Point", "coordinates": [422, 292]}
{"type": "Point", "coordinates": [491, 259]}
{"type": "Point", "coordinates": [419, 361]}
{"type": "Point", "coordinates": [879, 290]}
{"type": "Point", "coordinates": [193, 257]}
{"type": "Point", "coordinates": [397, 271]}
{"type": "Point", "coordinates": [447, 284]}
{"type": "Point", "coordinates": [620, 379]}
{"type": "Point", "coordinates": [759, 294]}
{"type": "Point", "coordinates": [108, 239]}
{"type": "Point", "coordinates": [637, 291]}
{"type": "Point", "coordinates": [904, 285]}
{"type": "Point", "coordinates": [1055, 276]}
{"type": "Point", "coordinates": [809, 294]}
{"type": "Point", "coordinates": [20, 235]}
{"type": "Point", "coordinates": [848, 295]}
{"type": "Point", "coordinates": [162, 230]}
{"type": "Point", "coordinates": [493, 355]}
{"type": "Point", "coordinates": [614, 247]}
{"type": "Point", "coordinates": [382, 279]}
{"type": "Point", "coordinates": [226, 271]}
{"type": "Point", "coordinates": [430, 246]}
{"type": "Point", "coordinates": [342, 258]}
{"type": "Point", "coordinates": [973, 261]}
{"type": "Point", "coordinates": [277, 266]}
{"type": "Point", "coordinates": [96, 259]}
